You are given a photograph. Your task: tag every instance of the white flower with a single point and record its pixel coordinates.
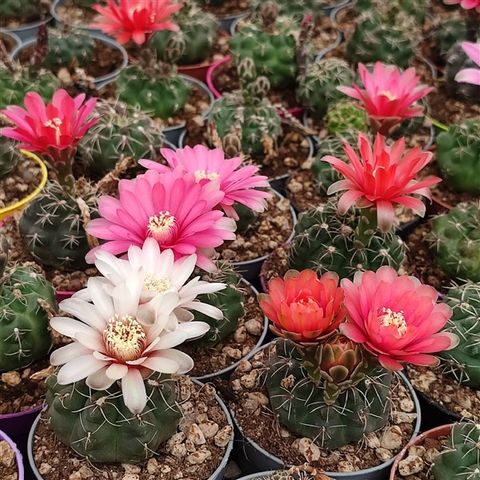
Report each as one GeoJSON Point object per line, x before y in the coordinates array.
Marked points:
{"type": "Point", "coordinates": [118, 338]}
{"type": "Point", "coordinates": [159, 273]}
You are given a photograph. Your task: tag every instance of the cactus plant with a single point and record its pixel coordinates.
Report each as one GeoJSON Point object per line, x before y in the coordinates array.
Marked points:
{"type": "Point", "coordinates": [120, 132]}
{"type": "Point", "coordinates": [198, 31]}
{"type": "Point", "coordinates": [271, 44]}
{"type": "Point", "coordinates": [9, 156]}
{"type": "Point", "coordinates": [295, 10]}
{"type": "Point", "coordinates": [346, 117]}
{"type": "Point", "coordinates": [304, 400]}
{"type": "Point", "coordinates": [457, 241]}
{"type": "Point", "coordinates": [27, 9]}
{"type": "Point", "coordinates": [325, 241]}
{"type": "Point", "coordinates": [448, 34]}
{"type": "Point", "coordinates": [416, 9]}
{"type": "Point", "coordinates": [317, 85]}
{"type": "Point", "coordinates": [87, 420]}
{"type": "Point", "coordinates": [463, 361]}
{"type": "Point", "coordinates": [458, 60]}
{"type": "Point", "coordinates": [461, 457]}
{"type": "Point", "coordinates": [458, 156]}
{"type": "Point", "coordinates": [296, 473]}
{"type": "Point", "coordinates": [25, 300]}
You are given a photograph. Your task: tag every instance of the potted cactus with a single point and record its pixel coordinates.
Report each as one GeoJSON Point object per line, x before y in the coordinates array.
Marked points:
{"type": "Point", "coordinates": [75, 13]}
{"type": "Point", "coordinates": [325, 397]}
{"type": "Point", "coordinates": [228, 12]}
{"type": "Point", "coordinates": [27, 302]}
{"type": "Point", "coordinates": [11, 460]}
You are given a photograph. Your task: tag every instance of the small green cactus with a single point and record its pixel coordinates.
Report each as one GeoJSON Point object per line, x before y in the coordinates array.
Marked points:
{"type": "Point", "coordinates": [303, 403]}
{"type": "Point", "coordinates": [89, 420]}
{"type": "Point", "coordinates": [458, 156]}
{"type": "Point", "coordinates": [120, 132]}
{"type": "Point", "coordinates": [461, 458]}
{"type": "Point", "coordinates": [457, 241]}
{"type": "Point", "coordinates": [25, 300]}
{"type": "Point", "coordinates": [463, 361]}
{"type": "Point", "coordinates": [52, 227]}
{"type": "Point", "coordinates": [9, 156]}
{"type": "Point", "coordinates": [24, 10]}
{"type": "Point", "coordinates": [346, 117]}
{"type": "Point", "coordinates": [458, 60]}
{"type": "Point", "coordinates": [198, 32]}
{"type": "Point", "coordinates": [416, 9]}
{"type": "Point", "coordinates": [295, 10]}
{"type": "Point", "coordinates": [327, 242]}
{"type": "Point", "coordinates": [271, 44]}
{"type": "Point", "coordinates": [448, 34]}
{"type": "Point", "coordinates": [317, 86]}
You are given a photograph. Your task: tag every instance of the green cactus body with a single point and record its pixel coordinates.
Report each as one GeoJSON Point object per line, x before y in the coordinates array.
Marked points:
{"type": "Point", "coordinates": [327, 242]}
{"type": "Point", "coordinates": [447, 34]}
{"type": "Point", "coordinates": [458, 60]}
{"type": "Point", "coordinates": [461, 458]}
{"type": "Point", "coordinates": [317, 86]}
{"type": "Point", "coordinates": [97, 424]}
{"type": "Point", "coordinates": [302, 406]}
{"type": "Point", "coordinates": [346, 117]}
{"type": "Point", "coordinates": [25, 298]}
{"type": "Point", "coordinates": [274, 53]}
{"type": "Point", "coordinates": [120, 132]}
{"type": "Point", "coordinates": [9, 156]}
{"type": "Point", "coordinates": [416, 9]}
{"type": "Point", "coordinates": [14, 10]}
{"type": "Point", "coordinates": [295, 9]}
{"type": "Point", "coordinates": [198, 32]}
{"type": "Point", "coordinates": [458, 156]}
{"type": "Point", "coordinates": [457, 235]}
{"type": "Point", "coordinates": [158, 95]}
{"type": "Point", "coordinates": [53, 230]}
{"type": "Point", "coordinates": [72, 49]}
{"type": "Point", "coordinates": [464, 359]}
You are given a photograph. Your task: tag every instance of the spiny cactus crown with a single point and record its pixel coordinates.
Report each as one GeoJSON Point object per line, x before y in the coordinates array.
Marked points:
{"type": "Point", "coordinates": [346, 117]}
{"type": "Point", "coordinates": [458, 156]}
{"type": "Point", "coordinates": [26, 9]}
{"type": "Point", "coordinates": [415, 9]}
{"type": "Point", "coordinates": [9, 156]}
{"type": "Point", "coordinates": [448, 34]}
{"type": "Point", "coordinates": [457, 241]}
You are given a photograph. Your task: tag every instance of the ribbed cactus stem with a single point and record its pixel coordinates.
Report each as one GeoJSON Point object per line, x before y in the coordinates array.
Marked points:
{"type": "Point", "coordinates": [367, 225]}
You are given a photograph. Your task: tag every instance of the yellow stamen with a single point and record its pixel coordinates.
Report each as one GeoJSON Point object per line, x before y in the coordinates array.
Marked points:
{"type": "Point", "coordinates": [388, 94]}
{"type": "Point", "coordinates": [54, 123]}
{"type": "Point", "coordinates": [157, 285]}
{"type": "Point", "coordinates": [204, 175]}
{"type": "Point", "coordinates": [125, 339]}
{"type": "Point", "coordinates": [160, 226]}
{"type": "Point", "coordinates": [396, 319]}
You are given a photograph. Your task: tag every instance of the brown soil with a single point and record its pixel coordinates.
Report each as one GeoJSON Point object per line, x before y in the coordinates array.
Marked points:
{"type": "Point", "coordinates": [276, 265]}
{"type": "Point", "coordinates": [303, 190]}
{"type": "Point", "coordinates": [272, 228]}
{"type": "Point", "coordinates": [443, 389]}
{"type": "Point", "coordinates": [105, 60]}
{"type": "Point", "coordinates": [7, 41]}
{"type": "Point", "coordinates": [234, 348]}
{"type": "Point", "coordinates": [173, 460]}
{"type": "Point", "coordinates": [72, 14]}
{"type": "Point", "coordinates": [19, 183]}
{"type": "Point", "coordinates": [6, 22]}
{"type": "Point", "coordinates": [254, 415]}
{"type": "Point", "coordinates": [325, 33]}
{"type": "Point", "coordinates": [8, 462]}
{"type": "Point", "coordinates": [227, 8]}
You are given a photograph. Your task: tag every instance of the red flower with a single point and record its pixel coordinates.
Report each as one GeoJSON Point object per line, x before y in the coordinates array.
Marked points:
{"type": "Point", "coordinates": [53, 130]}
{"type": "Point", "coordinates": [382, 176]}
{"type": "Point", "coordinates": [304, 307]}
{"type": "Point", "coordinates": [135, 19]}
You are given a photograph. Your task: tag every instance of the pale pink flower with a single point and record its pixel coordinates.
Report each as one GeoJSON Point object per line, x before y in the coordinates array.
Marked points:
{"type": "Point", "coordinates": [470, 75]}
{"type": "Point", "coordinates": [135, 19]}
{"type": "Point", "coordinates": [389, 95]}
{"type": "Point", "coordinates": [53, 130]}
{"type": "Point", "coordinates": [239, 184]}
{"type": "Point", "coordinates": [466, 4]}
{"type": "Point", "coordinates": [176, 211]}
{"type": "Point", "coordinates": [396, 318]}
{"type": "Point", "coordinates": [382, 176]}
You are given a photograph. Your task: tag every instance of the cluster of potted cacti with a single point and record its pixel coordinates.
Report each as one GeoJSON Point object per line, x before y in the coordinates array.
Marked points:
{"type": "Point", "coordinates": [163, 161]}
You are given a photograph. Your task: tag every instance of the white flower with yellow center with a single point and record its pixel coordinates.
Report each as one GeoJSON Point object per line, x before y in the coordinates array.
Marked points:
{"type": "Point", "coordinates": [118, 338]}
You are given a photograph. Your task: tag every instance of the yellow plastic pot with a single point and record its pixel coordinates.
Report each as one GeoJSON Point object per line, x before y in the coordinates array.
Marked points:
{"type": "Point", "coordinates": [7, 211]}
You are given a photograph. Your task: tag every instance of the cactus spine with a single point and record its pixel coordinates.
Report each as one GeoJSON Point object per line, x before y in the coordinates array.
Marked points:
{"type": "Point", "coordinates": [346, 117]}
{"type": "Point", "coordinates": [9, 157]}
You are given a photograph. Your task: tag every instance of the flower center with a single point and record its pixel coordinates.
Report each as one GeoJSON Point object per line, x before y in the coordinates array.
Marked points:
{"type": "Point", "coordinates": [161, 226]}
{"type": "Point", "coordinates": [54, 123]}
{"type": "Point", "coordinates": [204, 175]}
{"type": "Point", "coordinates": [125, 339]}
{"type": "Point", "coordinates": [395, 319]}
{"type": "Point", "coordinates": [387, 93]}
{"type": "Point", "coordinates": [155, 284]}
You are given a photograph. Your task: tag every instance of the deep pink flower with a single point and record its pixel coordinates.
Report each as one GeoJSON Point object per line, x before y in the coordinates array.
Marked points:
{"type": "Point", "coordinates": [466, 4]}
{"type": "Point", "coordinates": [382, 176]}
{"type": "Point", "coordinates": [470, 75]}
{"type": "Point", "coordinates": [135, 19]}
{"type": "Point", "coordinates": [239, 184]}
{"type": "Point", "coordinates": [389, 94]}
{"type": "Point", "coordinates": [173, 209]}
{"type": "Point", "coordinates": [53, 130]}
{"type": "Point", "coordinates": [396, 318]}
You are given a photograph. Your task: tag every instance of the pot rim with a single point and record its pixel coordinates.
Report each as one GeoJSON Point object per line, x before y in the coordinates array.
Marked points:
{"type": "Point", "coordinates": [18, 455]}
{"type": "Point", "coordinates": [28, 26]}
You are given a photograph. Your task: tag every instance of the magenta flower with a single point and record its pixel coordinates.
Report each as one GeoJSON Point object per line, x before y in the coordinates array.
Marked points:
{"type": "Point", "coordinates": [466, 4]}
{"type": "Point", "coordinates": [470, 75]}
{"type": "Point", "coordinates": [239, 184]}
{"type": "Point", "coordinates": [389, 95]}
{"type": "Point", "coordinates": [53, 130]}
{"type": "Point", "coordinates": [396, 318]}
{"type": "Point", "coordinates": [135, 19]}
{"type": "Point", "coordinates": [176, 211]}
{"type": "Point", "coordinates": [380, 177]}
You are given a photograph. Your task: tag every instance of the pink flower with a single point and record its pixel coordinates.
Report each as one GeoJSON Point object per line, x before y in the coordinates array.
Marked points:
{"type": "Point", "coordinates": [239, 184]}
{"type": "Point", "coordinates": [389, 94]}
{"type": "Point", "coordinates": [176, 211]}
{"type": "Point", "coordinates": [466, 4]}
{"type": "Point", "coordinates": [470, 75]}
{"type": "Point", "coordinates": [135, 19]}
{"type": "Point", "coordinates": [381, 177]}
{"type": "Point", "coordinates": [396, 318]}
{"type": "Point", "coordinates": [53, 130]}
